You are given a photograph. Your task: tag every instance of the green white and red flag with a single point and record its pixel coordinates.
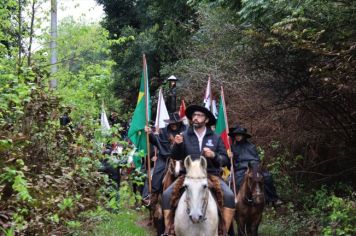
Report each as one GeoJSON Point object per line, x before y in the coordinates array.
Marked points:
{"type": "Point", "coordinates": [222, 127]}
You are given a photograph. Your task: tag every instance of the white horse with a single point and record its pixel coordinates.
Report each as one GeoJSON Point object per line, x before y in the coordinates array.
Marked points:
{"type": "Point", "coordinates": [197, 210]}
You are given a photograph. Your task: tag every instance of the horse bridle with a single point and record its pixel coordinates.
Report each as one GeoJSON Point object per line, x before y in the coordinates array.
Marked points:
{"type": "Point", "coordinates": [250, 201]}
{"type": "Point", "coordinates": [205, 201]}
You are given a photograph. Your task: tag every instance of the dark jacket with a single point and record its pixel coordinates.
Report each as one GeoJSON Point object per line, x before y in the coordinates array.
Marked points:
{"type": "Point", "coordinates": [190, 146]}
{"type": "Point", "coordinates": [162, 142]}
{"type": "Point", "coordinates": [244, 152]}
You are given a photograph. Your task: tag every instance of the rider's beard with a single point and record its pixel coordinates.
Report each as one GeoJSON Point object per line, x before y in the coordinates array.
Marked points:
{"type": "Point", "coordinates": [198, 125]}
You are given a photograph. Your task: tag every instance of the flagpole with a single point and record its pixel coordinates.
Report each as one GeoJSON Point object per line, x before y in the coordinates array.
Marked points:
{"type": "Point", "coordinates": [211, 95]}
{"type": "Point", "coordinates": [147, 134]}
{"type": "Point", "coordinates": [158, 110]}
{"type": "Point", "coordinates": [229, 150]}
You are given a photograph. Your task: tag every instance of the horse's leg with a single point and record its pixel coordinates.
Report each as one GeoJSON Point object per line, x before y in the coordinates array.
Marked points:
{"type": "Point", "coordinates": [241, 227]}
{"type": "Point", "coordinates": [255, 224]}
{"type": "Point", "coordinates": [248, 229]}
{"type": "Point", "coordinates": [158, 216]}
{"type": "Point", "coordinates": [254, 230]}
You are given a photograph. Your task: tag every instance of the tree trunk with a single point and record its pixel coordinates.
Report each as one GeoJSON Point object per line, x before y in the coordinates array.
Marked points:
{"type": "Point", "coordinates": [53, 46]}
{"type": "Point", "coordinates": [31, 32]}
{"type": "Point", "coordinates": [19, 37]}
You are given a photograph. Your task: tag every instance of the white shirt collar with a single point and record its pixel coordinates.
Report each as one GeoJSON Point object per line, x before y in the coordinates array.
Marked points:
{"type": "Point", "coordinates": [200, 137]}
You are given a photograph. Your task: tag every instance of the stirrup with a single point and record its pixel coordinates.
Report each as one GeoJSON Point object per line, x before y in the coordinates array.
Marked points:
{"type": "Point", "coordinates": [146, 201]}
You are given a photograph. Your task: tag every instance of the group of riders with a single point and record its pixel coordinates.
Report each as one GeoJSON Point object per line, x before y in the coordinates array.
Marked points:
{"type": "Point", "coordinates": [176, 141]}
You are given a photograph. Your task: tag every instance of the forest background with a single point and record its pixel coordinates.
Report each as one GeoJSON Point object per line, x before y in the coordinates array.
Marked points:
{"type": "Point", "coordinates": [287, 67]}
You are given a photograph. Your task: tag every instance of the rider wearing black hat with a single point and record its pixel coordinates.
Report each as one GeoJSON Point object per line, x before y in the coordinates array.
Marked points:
{"type": "Point", "coordinates": [200, 140]}
{"type": "Point", "coordinates": [163, 141]}
{"type": "Point", "coordinates": [244, 152]}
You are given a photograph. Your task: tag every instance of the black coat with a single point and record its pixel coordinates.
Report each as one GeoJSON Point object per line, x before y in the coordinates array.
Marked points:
{"type": "Point", "coordinates": [190, 146]}
{"type": "Point", "coordinates": [161, 140]}
{"type": "Point", "coordinates": [244, 152]}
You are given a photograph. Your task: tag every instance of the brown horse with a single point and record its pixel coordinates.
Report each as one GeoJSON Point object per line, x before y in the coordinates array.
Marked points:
{"type": "Point", "coordinates": [173, 169]}
{"type": "Point", "coordinates": [250, 202]}
{"type": "Point", "coordinates": [156, 215]}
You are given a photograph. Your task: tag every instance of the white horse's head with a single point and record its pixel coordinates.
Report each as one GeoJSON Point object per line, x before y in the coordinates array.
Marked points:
{"type": "Point", "coordinates": [196, 187]}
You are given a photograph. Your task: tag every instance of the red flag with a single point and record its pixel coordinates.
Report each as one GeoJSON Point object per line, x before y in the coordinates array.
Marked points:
{"type": "Point", "coordinates": [182, 112]}
{"type": "Point", "coordinates": [182, 109]}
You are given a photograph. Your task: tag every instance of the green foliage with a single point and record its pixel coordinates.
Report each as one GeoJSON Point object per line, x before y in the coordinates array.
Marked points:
{"type": "Point", "coordinates": [123, 223]}
{"type": "Point", "coordinates": [85, 71]}
{"type": "Point", "coordinates": [8, 232]}
{"type": "Point", "coordinates": [49, 173]}
{"type": "Point", "coordinates": [342, 217]}
{"type": "Point", "coordinates": [288, 223]}
{"type": "Point", "coordinates": [67, 203]}
{"type": "Point", "coordinates": [158, 29]}
{"type": "Point", "coordinates": [335, 214]}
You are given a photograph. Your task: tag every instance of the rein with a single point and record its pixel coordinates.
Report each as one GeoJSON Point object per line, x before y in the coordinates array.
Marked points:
{"type": "Point", "coordinates": [250, 200]}
{"type": "Point", "coordinates": [205, 201]}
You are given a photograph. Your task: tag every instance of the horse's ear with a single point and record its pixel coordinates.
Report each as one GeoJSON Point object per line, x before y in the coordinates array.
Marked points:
{"type": "Point", "coordinates": [187, 162]}
{"type": "Point", "coordinates": [203, 163]}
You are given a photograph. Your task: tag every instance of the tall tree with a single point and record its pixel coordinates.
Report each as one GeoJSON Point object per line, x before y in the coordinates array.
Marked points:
{"type": "Point", "coordinates": [53, 46]}
{"type": "Point", "coordinates": [159, 28]}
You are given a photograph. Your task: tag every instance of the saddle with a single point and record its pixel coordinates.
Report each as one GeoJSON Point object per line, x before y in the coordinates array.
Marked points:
{"type": "Point", "coordinates": [214, 186]}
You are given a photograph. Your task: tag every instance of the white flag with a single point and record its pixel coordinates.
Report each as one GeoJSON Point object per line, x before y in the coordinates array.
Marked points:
{"type": "Point", "coordinates": [105, 127]}
{"type": "Point", "coordinates": [215, 110]}
{"type": "Point", "coordinates": [162, 113]}
{"type": "Point", "coordinates": [207, 97]}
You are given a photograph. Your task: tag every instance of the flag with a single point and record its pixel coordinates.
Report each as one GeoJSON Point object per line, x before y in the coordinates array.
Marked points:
{"type": "Point", "coordinates": [222, 129]}
{"type": "Point", "coordinates": [142, 113]}
{"type": "Point", "coordinates": [162, 113]}
{"type": "Point", "coordinates": [105, 127]}
{"type": "Point", "coordinates": [207, 97]}
{"type": "Point", "coordinates": [214, 109]}
{"type": "Point", "coordinates": [182, 112]}
{"type": "Point", "coordinates": [221, 123]}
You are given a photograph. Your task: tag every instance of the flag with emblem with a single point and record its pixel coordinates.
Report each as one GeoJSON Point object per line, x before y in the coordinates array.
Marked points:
{"type": "Point", "coordinates": [221, 123]}
{"type": "Point", "coordinates": [222, 129]}
{"type": "Point", "coordinates": [142, 113]}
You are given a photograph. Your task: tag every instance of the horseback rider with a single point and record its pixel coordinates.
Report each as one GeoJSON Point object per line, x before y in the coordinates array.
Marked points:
{"type": "Point", "coordinates": [199, 140]}
{"type": "Point", "coordinates": [163, 141]}
{"type": "Point", "coordinates": [244, 152]}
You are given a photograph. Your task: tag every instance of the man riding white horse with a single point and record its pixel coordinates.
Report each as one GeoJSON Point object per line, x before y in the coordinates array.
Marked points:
{"type": "Point", "coordinates": [200, 140]}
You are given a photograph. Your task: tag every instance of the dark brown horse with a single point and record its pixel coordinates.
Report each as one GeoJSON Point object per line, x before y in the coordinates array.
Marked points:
{"type": "Point", "coordinates": [173, 169]}
{"type": "Point", "coordinates": [250, 202]}
{"type": "Point", "coordinates": [156, 215]}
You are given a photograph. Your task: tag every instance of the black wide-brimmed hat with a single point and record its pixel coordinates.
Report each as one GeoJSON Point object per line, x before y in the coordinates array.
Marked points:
{"type": "Point", "coordinates": [174, 118]}
{"type": "Point", "coordinates": [237, 129]}
{"type": "Point", "coordinates": [193, 108]}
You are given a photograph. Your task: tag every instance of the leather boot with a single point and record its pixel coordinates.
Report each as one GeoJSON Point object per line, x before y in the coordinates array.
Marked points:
{"type": "Point", "coordinates": [167, 222]}
{"type": "Point", "coordinates": [228, 215]}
